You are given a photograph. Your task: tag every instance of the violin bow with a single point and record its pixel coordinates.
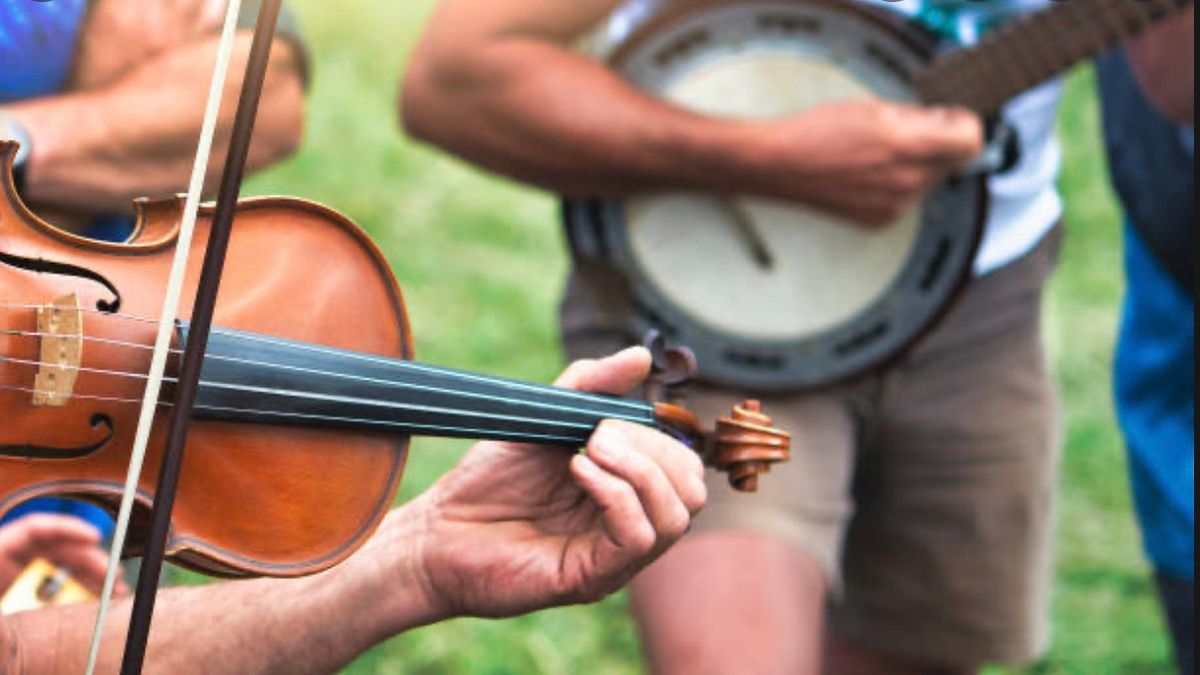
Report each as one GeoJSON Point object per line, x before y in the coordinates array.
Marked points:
{"type": "Point", "coordinates": [138, 631]}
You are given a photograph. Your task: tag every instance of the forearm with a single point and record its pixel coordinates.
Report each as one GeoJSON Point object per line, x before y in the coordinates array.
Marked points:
{"type": "Point", "coordinates": [99, 149]}
{"type": "Point", "coordinates": [543, 114]}
{"type": "Point", "coordinates": [1164, 62]}
{"type": "Point", "coordinates": [310, 625]}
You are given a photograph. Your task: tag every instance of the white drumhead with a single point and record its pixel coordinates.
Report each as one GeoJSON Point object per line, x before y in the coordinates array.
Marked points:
{"type": "Point", "coordinates": [824, 272]}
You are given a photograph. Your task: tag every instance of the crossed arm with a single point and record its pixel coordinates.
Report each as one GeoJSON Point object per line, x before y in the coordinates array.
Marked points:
{"type": "Point", "coordinates": [510, 530]}
{"type": "Point", "coordinates": [128, 126]}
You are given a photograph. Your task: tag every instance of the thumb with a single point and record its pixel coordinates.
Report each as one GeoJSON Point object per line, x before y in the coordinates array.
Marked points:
{"type": "Point", "coordinates": [616, 374]}
{"type": "Point", "coordinates": [952, 136]}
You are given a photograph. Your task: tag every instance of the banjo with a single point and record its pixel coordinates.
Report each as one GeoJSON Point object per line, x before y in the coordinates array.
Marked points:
{"type": "Point", "coordinates": [812, 299]}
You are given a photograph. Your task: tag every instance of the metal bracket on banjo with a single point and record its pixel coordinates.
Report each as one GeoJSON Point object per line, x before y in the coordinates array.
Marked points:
{"type": "Point", "coordinates": [1001, 154]}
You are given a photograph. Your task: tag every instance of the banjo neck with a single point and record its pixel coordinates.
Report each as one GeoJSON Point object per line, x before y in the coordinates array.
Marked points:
{"type": "Point", "coordinates": [1028, 51]}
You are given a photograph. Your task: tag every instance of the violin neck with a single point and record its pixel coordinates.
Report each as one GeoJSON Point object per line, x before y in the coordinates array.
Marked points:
{"type": "Point", "coordinates": [254, 378]}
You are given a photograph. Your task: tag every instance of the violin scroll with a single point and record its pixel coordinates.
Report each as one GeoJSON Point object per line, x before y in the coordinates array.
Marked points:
{"type": "Point", "coordinates": [746, 444]}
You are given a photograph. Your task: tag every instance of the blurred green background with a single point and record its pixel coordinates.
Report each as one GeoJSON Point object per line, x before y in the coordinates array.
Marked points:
{"type": "Point", "coordinates": [481, 261]}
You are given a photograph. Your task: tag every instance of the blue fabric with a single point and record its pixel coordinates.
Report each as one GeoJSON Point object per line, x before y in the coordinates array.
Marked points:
{"type": "Point", "coordinates": [89, 513]}
{"type": "Point", "coordinates": [1156, 392]}
{"type": "Point", "coordinates": [114, 228]}
{"type": "Point", "coordinates": [1152, 161]}
{"type": "Point", "coordinates": [37, 43]}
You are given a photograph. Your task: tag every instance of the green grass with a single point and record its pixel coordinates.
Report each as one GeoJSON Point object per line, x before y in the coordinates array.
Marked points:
{"type": "Point", "coordinates": [482, 261]}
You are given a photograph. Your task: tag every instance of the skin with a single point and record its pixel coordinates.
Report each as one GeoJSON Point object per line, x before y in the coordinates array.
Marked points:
{"type": "Point", "coordinates": [511, 529]}
{"type": "Point", "coordinates": [1164, 62]}
{"type": "Point", "coordinates": [128, 123]}
{"type": "Point", "coordinates": [500, 83]}
{"type": "Point", "coordinates": [67, 543]}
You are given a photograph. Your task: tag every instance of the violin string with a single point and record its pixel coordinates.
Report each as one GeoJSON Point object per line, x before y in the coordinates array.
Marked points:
{"type": "Point", "coordinates": [85, 338]}
{"type": "Point", "coordinates": [398, 365]}
{"type": "Point", "coordinates": [87, 397]}
{"type": "Point", "coordinates": [384, 424]}
{"type": "Point", "coordinates": [352, 400]}
{"type": "Point", "coordinates": [415, 407]}
{"type": "Point", "coordinates": [80, 369]}
{"type": "Point", "coordinates": [85, 310]}
{"type": "Point", "coordinates": [401, 365]}
{"type": "Point", "coordinates": [539, 405]}
{"type": "Point", "coordinates": [432, 429]}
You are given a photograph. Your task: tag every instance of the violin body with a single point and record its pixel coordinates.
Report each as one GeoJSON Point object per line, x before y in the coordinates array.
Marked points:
{"type": "Point", "coordinates": [308, 394]}
{"type": "Point", "coordinates": [253, 499]}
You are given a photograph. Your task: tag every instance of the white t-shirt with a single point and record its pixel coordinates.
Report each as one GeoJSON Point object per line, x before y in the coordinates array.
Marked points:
{"type": "Point", "coordinates": [1024, 203]}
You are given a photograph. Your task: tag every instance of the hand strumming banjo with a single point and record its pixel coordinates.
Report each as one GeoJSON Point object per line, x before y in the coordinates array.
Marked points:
{"type": "Point", "coordinates": [812, 299]}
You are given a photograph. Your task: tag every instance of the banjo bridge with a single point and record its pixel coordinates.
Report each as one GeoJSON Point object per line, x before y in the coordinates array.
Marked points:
{"type": "Point", "coordinates": [60, 331]}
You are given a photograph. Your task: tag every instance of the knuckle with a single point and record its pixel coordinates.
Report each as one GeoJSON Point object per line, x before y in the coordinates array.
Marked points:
{"type": "Point", "coordinates": [642, 539]}
{"type": "Point", "coordinates": [696, 497]}
{"type": "Point", "coordinates": [677, 523]}
{"type": "Point", "coordinates": [696, 465]}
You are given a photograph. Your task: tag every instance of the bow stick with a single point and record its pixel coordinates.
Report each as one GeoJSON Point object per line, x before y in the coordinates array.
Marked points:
{"type": "Point", "coordinates": [201, 323]}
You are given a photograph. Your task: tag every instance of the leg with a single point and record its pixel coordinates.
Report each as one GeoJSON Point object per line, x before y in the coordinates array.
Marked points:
{"type": "Point", "coordinates": [766, 616]}
{"type": "Point", "coordinates": [745, 591]}
{"type": "Point", "coordinates": [846, 658]}
{"type": "Point", "coordinates": [948, 562]}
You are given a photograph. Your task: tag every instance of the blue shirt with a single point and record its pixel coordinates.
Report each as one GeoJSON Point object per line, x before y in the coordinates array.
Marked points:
{"type": "Point", "coordinates": [1152, 161]}
{"type": "Point", "coordinates": [37, 46]}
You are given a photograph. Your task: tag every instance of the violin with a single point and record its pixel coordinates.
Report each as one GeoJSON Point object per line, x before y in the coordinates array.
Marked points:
{"type": "Point", "coordinates": [308, 393]}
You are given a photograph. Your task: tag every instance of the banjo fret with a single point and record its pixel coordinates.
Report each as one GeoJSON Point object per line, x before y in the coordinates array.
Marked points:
{"type": "Point", "coordinates": [1030, 50]}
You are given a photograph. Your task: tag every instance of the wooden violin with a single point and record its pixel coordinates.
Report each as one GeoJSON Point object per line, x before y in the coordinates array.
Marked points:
{"type": "Point", "coordinates": [308, 391]}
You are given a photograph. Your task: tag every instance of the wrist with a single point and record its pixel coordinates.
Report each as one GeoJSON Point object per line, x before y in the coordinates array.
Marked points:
{"type": "Point", "coordinates": [392, 568]}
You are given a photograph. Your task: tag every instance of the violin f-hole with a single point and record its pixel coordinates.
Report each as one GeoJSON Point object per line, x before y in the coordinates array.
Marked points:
{"type": "Point", "coordinates": [30, 451]}
{"type": "Point", "coordinates": [41, 266]}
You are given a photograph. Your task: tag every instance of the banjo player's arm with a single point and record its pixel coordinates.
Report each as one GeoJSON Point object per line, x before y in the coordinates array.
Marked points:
{"type": "Point", "coordinates": [501, 83]}
{"type": "Point", "coordinates": [1164, 62]}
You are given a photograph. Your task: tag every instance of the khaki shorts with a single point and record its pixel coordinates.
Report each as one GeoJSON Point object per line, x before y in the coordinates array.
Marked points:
{"type": "Point", "coordinates": [925, 490]}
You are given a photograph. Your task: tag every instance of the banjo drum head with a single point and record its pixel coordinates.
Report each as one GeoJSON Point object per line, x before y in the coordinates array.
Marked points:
{"type": "Point", "coordinates": [770, 295]}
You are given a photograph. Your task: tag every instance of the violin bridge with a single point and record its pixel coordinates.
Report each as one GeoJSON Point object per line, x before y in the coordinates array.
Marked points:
{"type": "Point", "coordinates": [60, 326]}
